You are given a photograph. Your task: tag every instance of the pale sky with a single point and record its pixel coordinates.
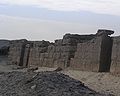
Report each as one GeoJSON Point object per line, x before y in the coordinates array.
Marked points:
{"type": "Point", "coordinates": [51, 19]}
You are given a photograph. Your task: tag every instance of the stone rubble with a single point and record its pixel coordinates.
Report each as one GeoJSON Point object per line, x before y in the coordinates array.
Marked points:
{"type": "Point", "coordinates": [42, 84]}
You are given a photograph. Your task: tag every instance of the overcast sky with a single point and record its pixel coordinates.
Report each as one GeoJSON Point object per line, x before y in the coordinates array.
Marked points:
{"type": "Point", "coordinates": [51, 19]}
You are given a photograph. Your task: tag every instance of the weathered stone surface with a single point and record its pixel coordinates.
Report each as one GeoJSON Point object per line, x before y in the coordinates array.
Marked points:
{"type": "Point", "coordinates": [74, 39]}
{"type": "Point", "coordinates": [115, 64]}
{"type": "Point", "coordinates": [26, 55]}
{"type": "Point", "coordinates": [94, 55]}
{"type": "Point", "coordinates": [58, 42]}
{"type": "Point", "coordinates": [38, 53]}
{"type": "Point", "coordinates": [87, 56]}
{"type": "Point", "coordinates": [104, 32]}
{"type": "Point", "coordinates": [17, 51]}
{"type": "Point", "coordinates": [4, 47]}
{"type": "Point", "coordinates": [83, 52]}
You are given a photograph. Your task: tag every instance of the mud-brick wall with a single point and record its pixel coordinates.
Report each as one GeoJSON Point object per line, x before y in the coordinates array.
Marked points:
{"type": "Point", "coordinates": [47, 54]}
{"type": "Point", "coordinates": [56, 54]}
{"type": "Point", "coordinates": [94, 55]}
{"type": "Point", "coordinates": [16, 52]}
{"type": "Point", "coordinates": [37, 49]}
{"type": "Point", "coordinates": [87, 56]}
{"type": "Point", "coordinates": [115, 64]}
{"type": "Point", "coordinates": [64, 49]}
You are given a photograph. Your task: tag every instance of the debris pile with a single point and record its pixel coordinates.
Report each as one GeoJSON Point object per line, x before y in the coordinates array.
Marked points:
{"type": "Point", "coordinates": [42, 84]}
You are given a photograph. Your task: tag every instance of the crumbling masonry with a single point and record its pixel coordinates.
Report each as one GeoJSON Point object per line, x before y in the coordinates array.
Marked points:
{"type": "Point", "coordinates": [97, 52]}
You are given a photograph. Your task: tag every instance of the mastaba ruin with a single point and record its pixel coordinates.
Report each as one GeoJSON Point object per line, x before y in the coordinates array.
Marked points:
{"type": "Point", "coordinates": [96, 52]}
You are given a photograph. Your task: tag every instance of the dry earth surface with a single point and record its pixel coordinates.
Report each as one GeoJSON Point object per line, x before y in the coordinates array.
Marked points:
{"type": "Point", "coordinates": [100, 82]}
{"type": "Point", "coordinates": [104, 83]}
{"type": "Point", "coordinates": [42, 84]}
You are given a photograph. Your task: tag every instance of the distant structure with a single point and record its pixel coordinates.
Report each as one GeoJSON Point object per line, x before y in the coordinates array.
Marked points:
{"type": "Point", "coordinates": [97, 52]}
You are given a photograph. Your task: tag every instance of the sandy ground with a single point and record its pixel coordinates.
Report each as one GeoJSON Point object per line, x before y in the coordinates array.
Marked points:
{"type": "Point", "coordinates": [100, 82]}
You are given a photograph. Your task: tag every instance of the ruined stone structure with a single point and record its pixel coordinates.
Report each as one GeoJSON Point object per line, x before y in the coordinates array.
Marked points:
{"type": "Point", "coordinates": [17, 52]}
{"type": "Point", "coordinates": [94, 55]}
{"type": "Point", "coordinates": [115, 64]}
{"type": "Point", "coordinates": [4, 47]}
{"type": "Point", "coordinates": [98, 52]}
{"type": "Point", "coordinates": [46, 54]}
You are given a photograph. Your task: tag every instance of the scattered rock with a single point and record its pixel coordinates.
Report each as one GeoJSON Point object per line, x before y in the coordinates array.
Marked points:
{"type": "Point", "coordinates": [42, 84]}
{"type": "Point", "coordinates": [58, 69]}
{"type": "Point", "coordinates": [33, 87]}
{"type": "Point", "coordinates": [32, 69]}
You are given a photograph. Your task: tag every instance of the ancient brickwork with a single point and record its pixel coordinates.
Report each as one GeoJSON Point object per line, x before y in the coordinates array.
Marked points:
{"type": "Point", "coordinates": [115, 64]}
{"type": "Point", "coordinates": [87, 56]}
{"type": "Point", "coordinates": [65, 48]}
{"type": "Point", "coordinates": [94, 55]}
{"type": "Point", "coordinates": [63, 51]}
{"type": "Point", "coordinates": [58, 54]}
{"type": "Point", "coordinates": [98, 52]}
{"type": "Point", "coordinates": [37, 53]}
{"type": "Point", "coordinates": [17, 51]}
